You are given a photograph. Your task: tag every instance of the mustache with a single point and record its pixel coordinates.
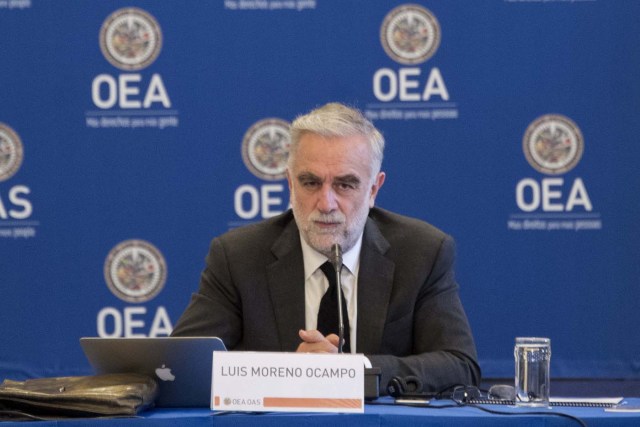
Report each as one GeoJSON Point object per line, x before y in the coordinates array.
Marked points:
{"type": "Point", "coordinates": [334, 217]}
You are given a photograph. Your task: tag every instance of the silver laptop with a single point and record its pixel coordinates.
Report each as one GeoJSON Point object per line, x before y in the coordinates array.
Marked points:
{"type": "Point", "coordinates": [180, 365]}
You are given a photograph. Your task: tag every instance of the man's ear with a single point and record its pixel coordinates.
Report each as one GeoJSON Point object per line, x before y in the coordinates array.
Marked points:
{"type": "Point", "coordinates": [375, 187]}
{"type": "Point", "coordinates": [289, 179]}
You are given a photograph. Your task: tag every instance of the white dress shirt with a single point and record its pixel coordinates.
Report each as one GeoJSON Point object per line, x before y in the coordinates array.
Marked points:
{"type": "Point", "coordinates": [316, 284]}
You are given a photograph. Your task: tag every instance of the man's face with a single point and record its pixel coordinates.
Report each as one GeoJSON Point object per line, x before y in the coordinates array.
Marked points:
{"type": "Point", "coordinates": [332, 189]}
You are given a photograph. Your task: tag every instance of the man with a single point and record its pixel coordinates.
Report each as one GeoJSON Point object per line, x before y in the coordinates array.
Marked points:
{"type": "Point", "coordinates": [262, 286]}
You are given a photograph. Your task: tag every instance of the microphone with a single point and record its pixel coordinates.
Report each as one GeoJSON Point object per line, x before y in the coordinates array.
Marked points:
{"type": "Point", "coordinates": [336, 261]}
{"type": "Point", "coordinates": [336, 256]}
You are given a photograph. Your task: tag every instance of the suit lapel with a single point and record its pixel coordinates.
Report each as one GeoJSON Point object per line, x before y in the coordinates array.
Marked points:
{"type": "Point", "coordinates": [285, 278]}
{"type": "Point", "coordinates": [375, 280]}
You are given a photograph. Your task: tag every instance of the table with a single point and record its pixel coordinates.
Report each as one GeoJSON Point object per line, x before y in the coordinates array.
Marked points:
{"type": "Point", "coordinates": [375, 416]}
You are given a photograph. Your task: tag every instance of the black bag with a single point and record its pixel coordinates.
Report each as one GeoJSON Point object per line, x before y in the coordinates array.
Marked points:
{"type": "Point", "coordinates": [64, 397]}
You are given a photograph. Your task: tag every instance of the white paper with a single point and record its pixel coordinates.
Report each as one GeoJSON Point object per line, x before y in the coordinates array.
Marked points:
{"type": "Point", "coordinates": [595, 400]}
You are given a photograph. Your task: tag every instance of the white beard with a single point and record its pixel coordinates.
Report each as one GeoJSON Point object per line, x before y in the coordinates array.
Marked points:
{"type": "Point", "coordinates": [345, 233]}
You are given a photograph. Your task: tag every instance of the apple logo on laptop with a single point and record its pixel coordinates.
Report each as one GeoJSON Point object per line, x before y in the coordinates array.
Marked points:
{"type": "Point", "coordinates": [165, 374]}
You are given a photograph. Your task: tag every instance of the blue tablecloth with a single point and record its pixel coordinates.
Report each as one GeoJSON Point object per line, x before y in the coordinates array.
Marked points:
{"type": "Point", "coordinates": [375, 415]}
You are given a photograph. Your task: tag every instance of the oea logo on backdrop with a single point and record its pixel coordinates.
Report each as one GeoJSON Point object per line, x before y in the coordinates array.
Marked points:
{"type": "Point", "coordinates": [135, 271]}
{"type": "Point", "coordinates": [131, 40]}
{"type": "Point", "coordinates": [410, 34]}
{"type": "Point", "coordinates": [265, 151]}
{"type": "Point", "coordinates": [553, 145]}
{"type": "Point", "coordinates": [15, 205]}
{"type": "Point", "coordinates": [11, 152]}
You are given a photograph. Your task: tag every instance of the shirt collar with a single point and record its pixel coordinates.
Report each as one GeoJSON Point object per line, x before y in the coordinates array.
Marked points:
{"type": "Point", "coordinates": [314, 259]}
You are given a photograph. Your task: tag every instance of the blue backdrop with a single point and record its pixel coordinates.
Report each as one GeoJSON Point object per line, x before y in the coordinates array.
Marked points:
{"type": "Point", "coordinates": [131, 133]}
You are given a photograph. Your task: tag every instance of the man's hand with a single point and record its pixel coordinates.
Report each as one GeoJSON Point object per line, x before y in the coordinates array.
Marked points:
{"type": "Point", "coordinates": [314, 342]}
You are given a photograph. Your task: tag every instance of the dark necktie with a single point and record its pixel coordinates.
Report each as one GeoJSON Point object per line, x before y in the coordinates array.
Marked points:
{"type": "Point", "coordinates": [328, 313]}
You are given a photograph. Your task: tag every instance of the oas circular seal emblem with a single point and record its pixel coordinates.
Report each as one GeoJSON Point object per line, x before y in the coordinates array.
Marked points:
{"type": "Point", "coordinates": [553, 144]}
{"type": "Point", "coordinates": [11, 152]}
{"type": "Point", "coordinates": [410, 34]}
{"type": "Point", "coordinates": [130, 39]}
{"type": "Point", "coordinates": [135, 271]}
{"type": "Point", "coordinates": [265, 149]}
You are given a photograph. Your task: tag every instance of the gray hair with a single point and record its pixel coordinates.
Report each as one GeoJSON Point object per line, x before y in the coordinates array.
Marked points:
{"type": "Point", "coordinates": [337, 120]}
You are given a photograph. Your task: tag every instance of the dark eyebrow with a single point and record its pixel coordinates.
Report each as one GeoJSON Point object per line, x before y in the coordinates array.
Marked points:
{"type": "Point", "coordinates": [348, 179]}
{"type": "Point", "coordinates": [308, 176]}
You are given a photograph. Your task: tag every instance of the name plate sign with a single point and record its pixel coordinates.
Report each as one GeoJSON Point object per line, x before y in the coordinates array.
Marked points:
{"type": "Point", "coordinates": [287, 382]}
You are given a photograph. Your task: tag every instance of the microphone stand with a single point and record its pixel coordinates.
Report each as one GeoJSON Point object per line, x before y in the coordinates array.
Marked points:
{"type": "Point", "coordinates": [336, 261]}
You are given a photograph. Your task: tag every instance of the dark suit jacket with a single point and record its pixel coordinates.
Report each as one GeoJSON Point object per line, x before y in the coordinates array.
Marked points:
{"type": "Point", "coordinates": [410, 319]}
